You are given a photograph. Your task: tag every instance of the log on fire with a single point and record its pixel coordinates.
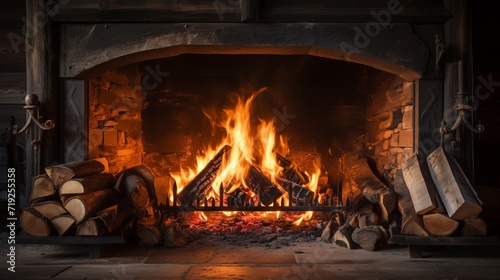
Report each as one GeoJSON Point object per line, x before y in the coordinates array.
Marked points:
{"type": "Point", "coordinates": [63, 172]}
{"type": "Point", "coordinates": [266, 190]}
{"type": "Point", "coordinates": [300, 195]}
{"type": "Point", "coordinates": [204, 179]}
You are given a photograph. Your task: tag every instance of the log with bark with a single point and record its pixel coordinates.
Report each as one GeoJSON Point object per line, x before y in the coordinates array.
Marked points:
{"type": "Point", "coordinates": [43, 187]}
{"type": "Point", "coordinates": [34, 223]}
{"type": "Point", "coordinates": [83, 206]}
{"type": "Point", "coordinates": [92, 226]}
{"type": "Point", "coordinates": [193, 190]}
{"type": "Point", "coordinates": [50, 209]}
{"type": "Point", "coordinates": [300, 195]}
{"type": "Point", "coordinates": [266, 190]}
{"type": "Point", "coordinates": [65, 224]}
{"type": "Point", "coordinates": [134, 188]}
{"type": "Point", "coordinates": [411, 223]}
{"type": "Point", "coordinates": [474, 227]}
{"type": "Point", "coordinates": [423, 192]}
{"type": "Point", "coordinates": [117, 216]}
{"type": "Point", "coordinates": [361, 179]}
{"type": "Point", "coordinates": [438, 224]}
{"type": "Point", "coordinates": [147, 177]}
{"type": "Point", "coordinates": [63, 172]}
{"type": "Point", "coordinates": [87, 184]}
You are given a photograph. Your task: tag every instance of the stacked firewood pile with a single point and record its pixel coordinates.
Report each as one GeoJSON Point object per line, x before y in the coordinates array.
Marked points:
{"type": "Point", "coordinates": [84, 199]}
{"type": "Point", "coordinates": [436, 198]}
{"type": "Point", "coordinates": [433, 196]}
{"type": "Point", "coordinates": [367, 220]}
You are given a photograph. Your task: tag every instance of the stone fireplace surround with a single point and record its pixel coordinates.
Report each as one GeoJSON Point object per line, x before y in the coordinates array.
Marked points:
{"type": "Point", "coordinates": [80, 50]}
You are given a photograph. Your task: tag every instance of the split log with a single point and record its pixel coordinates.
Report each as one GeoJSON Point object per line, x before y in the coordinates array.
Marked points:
{"type": "Point", "coordinates": [117, 216]}
{"type": "Point", "coordinates": [266, 190]}
{"type": "Point", "coordinates": [43, 187]}
{"type": "Point", "coordinates": [50, 209]}
{"type": "Point", "coordinates": [87, 205]}
{"type": "Point", "coordinates": [63, 172]}
{"type": "Point", "coordinates": [34, 223]}
{"type": "Point", "coordinates": [92, 226]}
{"type": "Point", "coordinates": [422, 189]}
{"type": "Point", "coordinates": [411, 223]}
{"type": "Point", "coordinates": [329, 230]}
{"type": "Point", "coordinates": [369, 238]}
{"type": "Point", "coordinates": [87, 184]}
{"type": "Point", "coordinates": [343, 235]}
{"type": "Point", "coordinates": [456, 192]}
{"type": "Point", "coordinates": [474, 227]}
{"type": "Point", "coordinates": [204, 179]}
{"type": "Point", "coordinates": [148, 236]}
{"type": "Point", "coordinates": [359, 175]}
{"type": "Point", "coordinates": [65, 224]}
{"type": "Point", "coordinates": [438, 224]}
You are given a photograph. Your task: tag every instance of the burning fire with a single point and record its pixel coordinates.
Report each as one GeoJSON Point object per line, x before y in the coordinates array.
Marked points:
{"type": "Point", "coordinates": [250, 146]}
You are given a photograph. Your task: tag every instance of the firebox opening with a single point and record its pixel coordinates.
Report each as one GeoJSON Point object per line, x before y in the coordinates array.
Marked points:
{"type": "Point", "coordinates": [161, 112]}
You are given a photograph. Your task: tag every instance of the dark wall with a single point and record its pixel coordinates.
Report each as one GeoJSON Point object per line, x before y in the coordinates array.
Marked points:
{"type": "Point", "coordinates": [486, 80]}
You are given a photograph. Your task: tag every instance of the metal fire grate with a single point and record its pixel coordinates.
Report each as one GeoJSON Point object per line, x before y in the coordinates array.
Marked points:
{"type": "Point", "coordinates": [332, 204]}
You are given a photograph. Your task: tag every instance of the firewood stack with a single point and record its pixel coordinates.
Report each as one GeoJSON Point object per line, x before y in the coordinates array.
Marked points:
{"type": "Point", "coordinates": [371, 202]}
{"type": "Point", "coordinates": [83, 198]}
{"type": "Point", "coordinates": [437, 199]}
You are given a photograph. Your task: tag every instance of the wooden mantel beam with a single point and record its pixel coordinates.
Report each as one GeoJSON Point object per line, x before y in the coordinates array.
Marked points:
{"type": "Point", "coordinates": [270, 11]}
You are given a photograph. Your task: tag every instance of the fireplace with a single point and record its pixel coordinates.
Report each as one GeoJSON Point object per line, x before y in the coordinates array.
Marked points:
{"type": "Point", "coordinates": [164, 113]}
{"type": "Point", "coordinates": [153, 92]}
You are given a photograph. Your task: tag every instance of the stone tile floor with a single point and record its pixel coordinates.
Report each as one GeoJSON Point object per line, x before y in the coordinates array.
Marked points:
{"type": "Point", "coordinates": [306, 260]}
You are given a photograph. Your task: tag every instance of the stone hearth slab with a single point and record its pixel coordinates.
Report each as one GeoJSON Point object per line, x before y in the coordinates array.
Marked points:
{"type": "Point", "coordinates": [129, 271]}
{"type": "Point", "coordinates": [180, 255]}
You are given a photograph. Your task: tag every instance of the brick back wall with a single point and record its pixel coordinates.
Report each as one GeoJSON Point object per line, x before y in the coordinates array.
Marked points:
{"type": "Point", "coordinates": [115, 103]}
{"type": "Point", "coordinates": [389, 129]}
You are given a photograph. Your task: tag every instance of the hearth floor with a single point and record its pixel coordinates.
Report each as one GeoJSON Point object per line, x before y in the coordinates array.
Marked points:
{"type": "Point", "coordinates": [215, 260]}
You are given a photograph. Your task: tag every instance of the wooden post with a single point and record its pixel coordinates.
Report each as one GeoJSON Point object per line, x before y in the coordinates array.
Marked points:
{"type": "Point", "coordinates": [40, 81]}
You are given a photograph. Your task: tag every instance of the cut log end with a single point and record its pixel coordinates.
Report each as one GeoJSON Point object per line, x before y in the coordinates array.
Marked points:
{"type": "Point", "coordinates": [34, 223]}
{"type": "Point", "coordinates": [440, 225]}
